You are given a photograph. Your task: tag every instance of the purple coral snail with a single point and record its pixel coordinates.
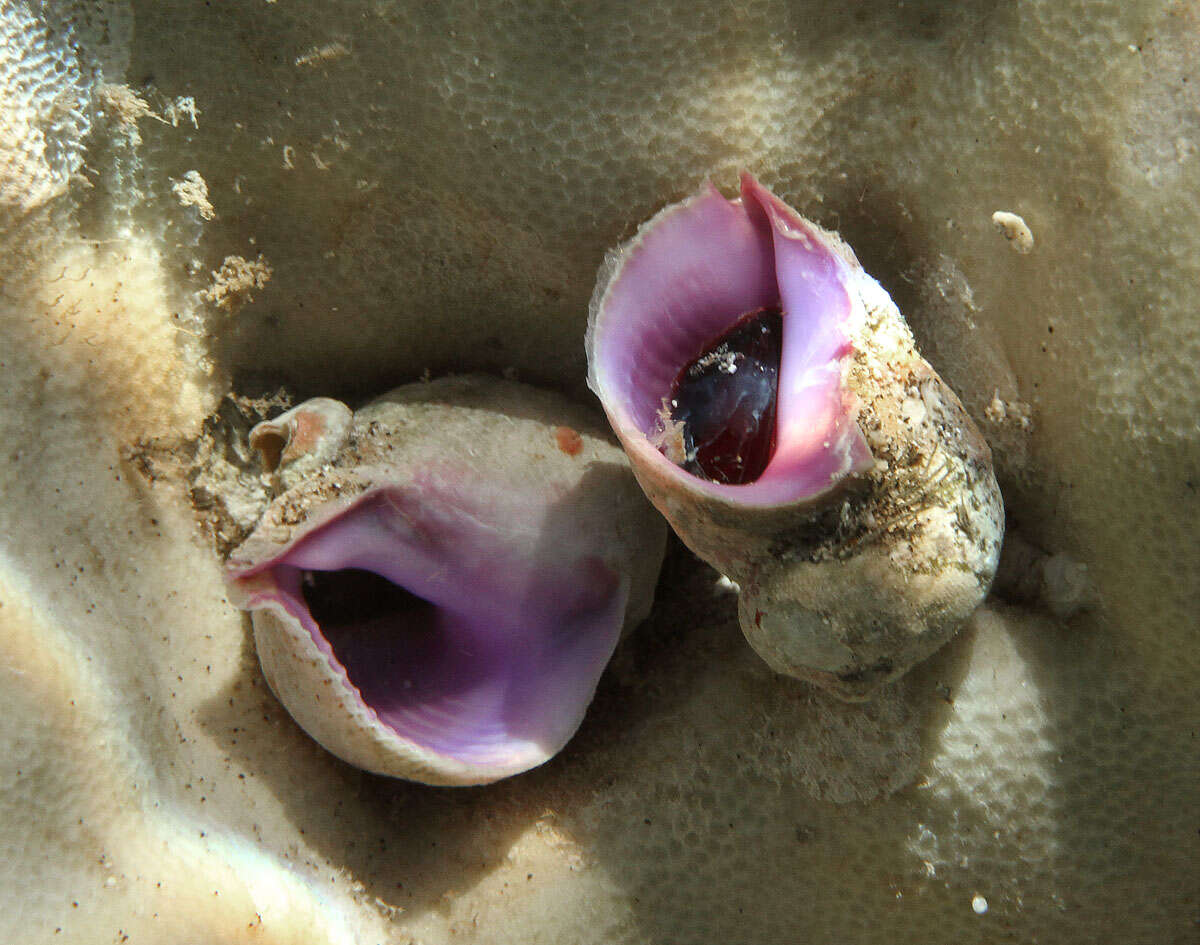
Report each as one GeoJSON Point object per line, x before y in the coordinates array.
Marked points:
{"type": "Point", "coordinates": [777, 412]}
{"type": "Point", "coordinates": [439, 588]}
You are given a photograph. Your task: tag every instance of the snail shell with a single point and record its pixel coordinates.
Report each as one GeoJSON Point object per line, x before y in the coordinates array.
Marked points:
{"type": "Point", "coordinates": [874, 528]}
{"type": "Point", "coordinates": [437, 598]}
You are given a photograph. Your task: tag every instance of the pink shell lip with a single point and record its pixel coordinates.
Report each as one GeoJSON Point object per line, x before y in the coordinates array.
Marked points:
{"type": "Point", "coordinates": [517, 639]}
{"type": "Point", "coordinates": [685, 278]}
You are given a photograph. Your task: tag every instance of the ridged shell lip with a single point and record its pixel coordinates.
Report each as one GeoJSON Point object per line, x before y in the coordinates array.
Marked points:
{"type": "Point", "coordinates": [513, 638]}
{"type": "Point", "coordinates": [688, 275]}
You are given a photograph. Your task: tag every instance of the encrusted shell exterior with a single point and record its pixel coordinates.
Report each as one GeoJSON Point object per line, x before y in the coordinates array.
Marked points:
{"type": "Point", "coordinates": [855, 591]}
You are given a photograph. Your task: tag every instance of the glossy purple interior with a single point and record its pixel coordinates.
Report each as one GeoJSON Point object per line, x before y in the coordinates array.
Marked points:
{"type": "Point", "coordinates": [693, 272]}
{"type": "Point", "coordinates": [478, 642]}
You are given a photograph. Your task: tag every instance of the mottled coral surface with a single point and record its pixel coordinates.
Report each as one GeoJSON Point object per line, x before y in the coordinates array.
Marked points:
{"type": "Point", "coordinates": [432, 187]}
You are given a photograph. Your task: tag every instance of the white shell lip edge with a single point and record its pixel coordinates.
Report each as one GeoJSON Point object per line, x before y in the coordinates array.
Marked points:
{"type": "Point", "coordinates": [300, 670]}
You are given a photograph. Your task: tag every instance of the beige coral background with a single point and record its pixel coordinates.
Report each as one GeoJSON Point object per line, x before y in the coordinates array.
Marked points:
{"type": "Point", "coordinates": [432, 187]}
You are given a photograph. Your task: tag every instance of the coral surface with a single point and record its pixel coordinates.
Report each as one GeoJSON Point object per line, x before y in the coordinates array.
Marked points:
{"type": "Point", "coordinates": [431, 187]}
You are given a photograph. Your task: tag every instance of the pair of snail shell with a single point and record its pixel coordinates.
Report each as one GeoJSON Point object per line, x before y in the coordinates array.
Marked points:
{"type": "Point", "coordinates": [446, 572]}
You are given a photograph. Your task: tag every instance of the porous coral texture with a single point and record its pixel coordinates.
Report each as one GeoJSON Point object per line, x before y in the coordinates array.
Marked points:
{"type": "Point", "coordinates": [434, 187]}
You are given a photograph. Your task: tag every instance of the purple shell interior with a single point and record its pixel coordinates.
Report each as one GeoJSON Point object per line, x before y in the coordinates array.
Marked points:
{"type": "Point", "coordinates": [689, 275]}
{"type": "Point", "coordinates": [492, 648]}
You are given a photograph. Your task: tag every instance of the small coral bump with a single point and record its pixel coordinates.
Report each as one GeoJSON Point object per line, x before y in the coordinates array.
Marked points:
{"type": "Point", "coordinates": [1014, 229]}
